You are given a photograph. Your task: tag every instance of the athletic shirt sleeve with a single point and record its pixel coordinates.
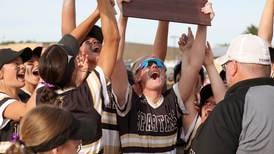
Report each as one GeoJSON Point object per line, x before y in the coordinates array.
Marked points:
{"type": "Point", "coordinates": [184, 135]}
{"type": "Point", "coordinates": [97, 84]}
{"type": "Point", "coordinates": [179, 98]}
{"type": "Point", "coordinates": [122, 110]}
{"type": "Point", "coordinates": [5, 100]}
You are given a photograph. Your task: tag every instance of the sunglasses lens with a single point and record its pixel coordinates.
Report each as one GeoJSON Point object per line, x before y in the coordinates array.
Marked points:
{"type": "Point", "coordinates": [150, 62]}
{"type": "Point", "coordinates": [160, 64]}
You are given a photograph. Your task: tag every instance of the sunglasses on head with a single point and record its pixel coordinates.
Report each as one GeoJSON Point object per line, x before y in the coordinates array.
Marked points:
{"type": "Point", "coordinates": [148, 62]}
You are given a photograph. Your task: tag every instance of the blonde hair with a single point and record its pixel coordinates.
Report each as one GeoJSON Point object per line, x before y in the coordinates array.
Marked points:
{"type": "Point", "coordinates": [42, 124]}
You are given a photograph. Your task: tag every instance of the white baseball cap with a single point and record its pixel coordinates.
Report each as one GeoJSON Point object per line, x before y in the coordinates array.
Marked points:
{"type": "Point", "coordinates": [247, 48]}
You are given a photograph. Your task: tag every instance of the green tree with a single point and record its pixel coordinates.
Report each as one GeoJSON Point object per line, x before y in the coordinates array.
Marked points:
{"type": "Point", "coordinates": [252, 29]}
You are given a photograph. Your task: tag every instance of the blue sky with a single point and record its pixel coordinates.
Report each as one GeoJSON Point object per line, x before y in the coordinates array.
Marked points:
{"type": "Point", "coordinates": [40, 20]}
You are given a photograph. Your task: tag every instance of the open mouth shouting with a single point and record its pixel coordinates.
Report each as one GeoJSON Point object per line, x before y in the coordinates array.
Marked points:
{"type": "Point", "coordinates": [93, 46]}
{"type": "Point", "coordinates": [20, 76]}
{"type": "Point", "coordinates": [154, 74]}
{"type": "Point", "coordinates": [35, 72]}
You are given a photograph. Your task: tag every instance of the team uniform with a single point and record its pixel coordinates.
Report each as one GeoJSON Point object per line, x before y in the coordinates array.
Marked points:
{"type": "Point", "coordinates": [150, 128]}
{"type": "Point", "coordinates": [7, 126]}
{"type": "Point", "coordinates": [88, 103]}
{"type": "Point", "coordinates": [242, 123]}
{"type": "Point", "coordinates": [24, 95]}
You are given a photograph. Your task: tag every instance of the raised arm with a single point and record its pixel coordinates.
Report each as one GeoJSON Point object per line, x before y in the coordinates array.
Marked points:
{"type": "Point", "coordinates": [69, 23]}
{"type": "Point", "coordinates": [192, 65]}
{"type": "Point", "coordinates": [81, 31]}
{"type": "Point", "coordinates": [160, 42]}
{"type": "Point", "coordinates": [119, 77]}
{"type": "Point", "coordinates": [217, 84]}
{"type": "Point", "coordinates": [110, 31]}
{"type": "Point", "coordinates": [185, 44]}
{"type": "Point", "coordinates": [266, 22]}
{"type": "Point", "coordinates": [68, 16]}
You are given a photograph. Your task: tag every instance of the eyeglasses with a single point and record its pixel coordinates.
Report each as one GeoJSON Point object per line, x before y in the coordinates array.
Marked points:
{"type": "Point", "coordinates": [225, 65]}
{"type": "Point", "coordinates": [149, 62]}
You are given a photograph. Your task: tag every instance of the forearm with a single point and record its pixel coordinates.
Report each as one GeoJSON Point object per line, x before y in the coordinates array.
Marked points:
{"type": "Point", "coordinates": [110, 31]}
{"type": "Point", "coordinates": [109, 23]}
{"type": "Point", "coordinates": [17, 109]}
{"type": "Point", "coordinates": [119, 76]}
{"type": "Point", "coordinates": [192, 63]}
{"type": "Point", "coordinates": [81, 31]}
{"type": "Point", "coordinates": [198, 48]}
{"type": "Point", "coordinates": [266, 23]}
{"type": "Point", "coordinates": [68, 17]}
{"type": "Point", "coordinates": [122, 25]}
{"type": "Point", "coordinates": [190, 105]}
{"type": "Point", "coordinates": [217, 84]}
{"type": "Point", "coordinates": [160, 42]}
{"type": "Point", "coordinates": [119, 81]}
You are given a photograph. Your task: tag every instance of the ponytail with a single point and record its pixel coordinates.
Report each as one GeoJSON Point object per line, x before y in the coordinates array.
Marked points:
{"type": "Point", "coordinates": [49, 96]}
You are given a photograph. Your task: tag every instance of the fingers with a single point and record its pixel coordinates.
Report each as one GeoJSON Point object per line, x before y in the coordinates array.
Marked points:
{"type": "Point", "coordinates": [208, 45]}
{"type": "Point", "coordinates": [81, 60]}
{"type": "Point", "coordinates": [207, 9]}
{"type": "Point", "coordinates": [186, 41]}
{"type": "Point", "coordinates": [112, 3]}
{"type": "Point", "coordinates": [119, 3]}
{"type": "Point", "coordinates": [190, 34]}
{"type": "Point", "coordinates": [183, 42]}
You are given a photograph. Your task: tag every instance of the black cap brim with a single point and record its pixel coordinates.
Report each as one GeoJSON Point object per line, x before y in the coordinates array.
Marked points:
{"type": "Point", "coordinates": [25, 54]}
{"type": "Point", "coordinates": [7, 55]}
{"type": "Point", "coordinates": [71, 44]}
{"type": "Point", "coordinates": [37, 51]}
{"type": "Point", "coordinates": [96, 32]}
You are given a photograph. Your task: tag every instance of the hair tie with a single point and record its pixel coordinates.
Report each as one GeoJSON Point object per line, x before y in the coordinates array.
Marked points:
{"type": "Point", "coordinates": [48, 85]}
{"type": "Point", "coordinates": [15, 137]}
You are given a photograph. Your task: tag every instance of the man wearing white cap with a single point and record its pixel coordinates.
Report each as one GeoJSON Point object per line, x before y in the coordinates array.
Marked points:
{"type": "Point", "coordinates": [243, 121]}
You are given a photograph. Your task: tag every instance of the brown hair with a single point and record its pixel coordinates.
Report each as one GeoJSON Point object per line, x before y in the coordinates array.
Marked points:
{"type": "Point", "coordinates": [55, 68]}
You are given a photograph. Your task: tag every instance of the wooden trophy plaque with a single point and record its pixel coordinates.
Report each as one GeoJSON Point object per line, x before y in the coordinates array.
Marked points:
{"type": "Point", "coordinates": [183, 11]}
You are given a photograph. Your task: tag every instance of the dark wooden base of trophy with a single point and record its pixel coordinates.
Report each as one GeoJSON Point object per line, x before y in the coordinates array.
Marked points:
{"type": "Point", "coordinates": [184, 11]}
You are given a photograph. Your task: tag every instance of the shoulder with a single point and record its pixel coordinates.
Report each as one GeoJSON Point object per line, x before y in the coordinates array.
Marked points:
{"type": "Point", "coordinates": [4, 98]}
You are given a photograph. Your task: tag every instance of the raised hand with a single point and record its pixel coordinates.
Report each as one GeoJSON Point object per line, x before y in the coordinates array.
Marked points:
{"type": "Point", "coordinates": [112, 3]}
{"type": "Point", "coordinates": [186, 41]}
{"type": "Point", "coordinates": [81, 61]}
{"type": "Point", "coordinates": [209, 59]}
{"type": "Point", "coordinates": [207, 9]}
{"type": "Point", "coordinates": [120, 6]}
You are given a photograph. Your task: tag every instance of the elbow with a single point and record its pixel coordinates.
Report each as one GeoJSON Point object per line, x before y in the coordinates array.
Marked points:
{"type": "Point", "coordinates": [114, 37]}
